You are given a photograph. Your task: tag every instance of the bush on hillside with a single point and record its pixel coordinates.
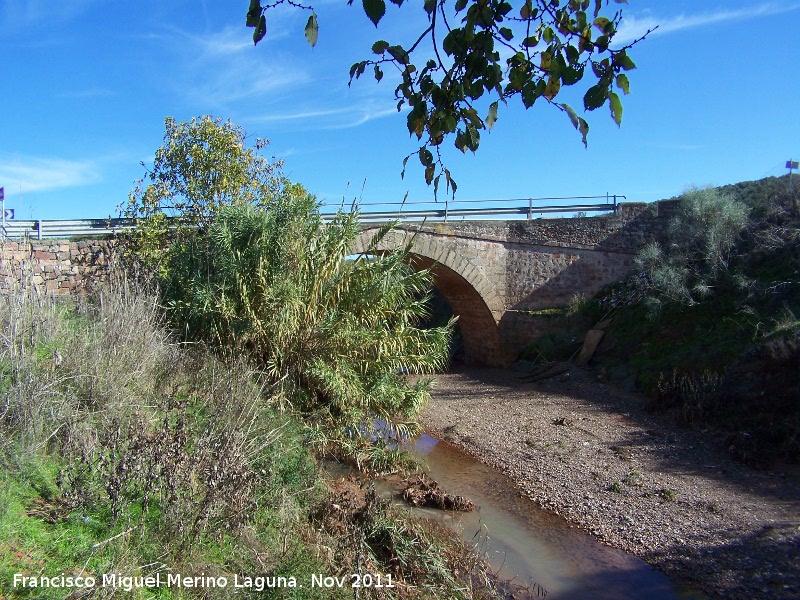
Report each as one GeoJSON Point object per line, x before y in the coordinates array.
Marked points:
{"type": "Point", "coordinates": [694, 256]}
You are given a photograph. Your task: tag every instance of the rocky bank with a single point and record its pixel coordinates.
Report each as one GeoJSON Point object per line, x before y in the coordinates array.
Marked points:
{"type": "Point", "coordinates": [671, 496]}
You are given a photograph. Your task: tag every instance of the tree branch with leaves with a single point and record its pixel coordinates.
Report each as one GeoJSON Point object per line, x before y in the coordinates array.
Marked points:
{"type": "Point", "coordinates": [474, 52]}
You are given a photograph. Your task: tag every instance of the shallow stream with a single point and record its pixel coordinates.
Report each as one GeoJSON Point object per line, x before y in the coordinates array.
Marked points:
{"type": "Point", "coordinates": [531, 546]}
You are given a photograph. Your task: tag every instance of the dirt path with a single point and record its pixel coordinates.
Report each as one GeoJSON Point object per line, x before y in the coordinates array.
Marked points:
{"type": "Point", "coordinates": [669, 495]}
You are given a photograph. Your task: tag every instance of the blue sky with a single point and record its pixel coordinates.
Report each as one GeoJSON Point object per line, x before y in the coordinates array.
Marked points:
{"type": "Point", "coordinates": [85, 86]}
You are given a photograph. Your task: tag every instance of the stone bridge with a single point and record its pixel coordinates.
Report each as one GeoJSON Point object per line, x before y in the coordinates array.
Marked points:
{"type": "Point", "coordinates": [495, 274]}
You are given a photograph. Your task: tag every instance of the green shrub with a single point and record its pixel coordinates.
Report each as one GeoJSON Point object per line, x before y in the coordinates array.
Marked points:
{"type": "Point", "coordinates": [695, 255]}
{"type": "Point", "coordinates": [333, 334]}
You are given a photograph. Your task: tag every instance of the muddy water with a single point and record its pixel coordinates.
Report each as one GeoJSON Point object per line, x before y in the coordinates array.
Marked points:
{"type": "Point", "coordinates": [532, 546]}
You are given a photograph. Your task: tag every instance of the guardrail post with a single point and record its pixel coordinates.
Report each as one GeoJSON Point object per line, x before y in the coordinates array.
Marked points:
{"type": "Point", "coordinates": [39, 229]}
{"type": "Point", "coordinates": [530, 208]}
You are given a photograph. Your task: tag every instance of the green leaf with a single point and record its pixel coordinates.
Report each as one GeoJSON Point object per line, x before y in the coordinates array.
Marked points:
{"type": "Point", "coordinates": [616, 108]}
{"type": "Point", "coordinates": [429, 174]}
{"type": "Point", "coordinates": [261, 30]}
{"type": "Point", "coordinates": [426, 157]}
{"type": "Point", "coordinates": [491, 118]}
{"type": "Point", "coordinates": [623, 83]}
{"type": "Point", "coordinates": [624, 61]}
{"type": "Point", "coordinates": [473, 137]}
{"type": "Point", "coordinates": [552, 89]}
{"type": "Point", "coordinates": [430, 6]}
{"type": "Point", "coordinates": [253, 13]}
{"type": "Point", "coordinates": [526, 10]}
{"type": "Point", "coordinates": [312, 30]}
{"type": "Point", "coordinates": [584, 129]}
{"type": "Point", "coordinates": [398, 54]}
{"type": "Point", "coordinates": [507, 34]}
{"type": "Point", "coordinates": [530, 41]}
{"type": "Point", "coordinates": [573, 116]}
{"type": "Point", "coordinates": [380, 47]}
{"type": "Point", "coordinates": [460, 4]}
{"type": "Point", "coordinates": [529, 94]}
{"type": "Point", "coordinates": [461, 141]}
{"type": "Point", "coordinates": [570, 76]}
{"type": "Point", "coordinates": [375, 10]}
{"type": "Point", "coordinates": [573, 55]}
{"type": "Point", "coordinates": [577, 122]}
{"type": "Point", "coordinates": [601, 23]}
{"type": "Point", "coordinates": [378, 73]}
{"type": "Point", "coordinates": [595, 97]}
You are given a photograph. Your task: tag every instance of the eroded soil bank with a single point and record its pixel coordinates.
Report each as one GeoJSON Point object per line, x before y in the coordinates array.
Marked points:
{"type": "Point", "coordinates": [671, 496]}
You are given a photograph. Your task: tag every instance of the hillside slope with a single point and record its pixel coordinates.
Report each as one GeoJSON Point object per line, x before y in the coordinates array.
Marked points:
{"type": "Point", "coordinates": [729, 361]}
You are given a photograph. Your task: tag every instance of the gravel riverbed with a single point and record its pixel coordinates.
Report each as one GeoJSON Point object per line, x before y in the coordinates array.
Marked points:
{"type": "Point", "coordinates": [671, 496]}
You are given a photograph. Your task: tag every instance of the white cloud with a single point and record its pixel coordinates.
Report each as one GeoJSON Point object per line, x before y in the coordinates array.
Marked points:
{"type": "Point", "coordinates": [229, 41]}
{"type": "Point", "coordinates": [37, 174]}
{"type": "Point", "coordinates": [331, 118]}
{"type": "Point", "coordinates": [221, 68]}
{"type": "Point", "coordinates": [633, 28]}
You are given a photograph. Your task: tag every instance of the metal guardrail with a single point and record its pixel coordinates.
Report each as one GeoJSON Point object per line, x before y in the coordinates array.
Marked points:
{"type": "Point", "coordinates": [41, 228]}
{"type": "Point", "coordinates": [516, 208]}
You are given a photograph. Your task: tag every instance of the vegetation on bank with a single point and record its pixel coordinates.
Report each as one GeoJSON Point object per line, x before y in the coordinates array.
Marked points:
{"type": "Point", "coordinates": [250, 269]}
{"type": "Point", "coordinates": [333, 335]}
{"type": "Point", "coordinates": [179, 431]}
{"type": "Point", "coordinates": [709, 327]}
{"type": "Point", "coordinates": [123, 452]}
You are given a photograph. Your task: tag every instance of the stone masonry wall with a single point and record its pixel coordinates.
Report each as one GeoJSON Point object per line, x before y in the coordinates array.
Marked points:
{"type": "Point", "coordinates": [624, 231]}
{"type": "Point", "coordinates": [54, 267]}
{"type": "Point", "coordinates": [518, 267]}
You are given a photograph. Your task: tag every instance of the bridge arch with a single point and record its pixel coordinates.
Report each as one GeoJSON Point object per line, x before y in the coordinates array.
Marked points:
{"type": "Point", "coordinates": [470, 294]}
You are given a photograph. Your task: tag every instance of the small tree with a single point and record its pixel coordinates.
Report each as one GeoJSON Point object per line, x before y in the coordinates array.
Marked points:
{"type": "Point", "coordinates": [697, 248]}
{"type": "Point", "coordinates": [203, 165]}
